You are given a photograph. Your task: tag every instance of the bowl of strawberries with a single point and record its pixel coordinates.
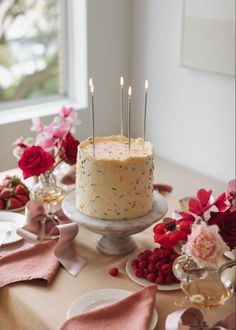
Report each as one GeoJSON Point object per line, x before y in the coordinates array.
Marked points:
{"type": "Point", "coordinates": [13, 194]}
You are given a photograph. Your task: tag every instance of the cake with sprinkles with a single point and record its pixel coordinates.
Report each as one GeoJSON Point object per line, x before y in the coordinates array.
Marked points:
{"type": "Point", "coordinates": [115, 183]}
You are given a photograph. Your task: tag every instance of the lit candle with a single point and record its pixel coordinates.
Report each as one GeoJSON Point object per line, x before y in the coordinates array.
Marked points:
{"type": "Point", "coordinates": [145, 111]}
{"type": "Point", "coordinates": [129, 113]}
{"type": "Point", "coordinates": [121, 106]}
{"type": "Point", "coordinates": [91, 87]}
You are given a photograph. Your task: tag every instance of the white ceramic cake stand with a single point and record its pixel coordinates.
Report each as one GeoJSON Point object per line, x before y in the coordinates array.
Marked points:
{"type": "Point", "coordinates": [115, 234]}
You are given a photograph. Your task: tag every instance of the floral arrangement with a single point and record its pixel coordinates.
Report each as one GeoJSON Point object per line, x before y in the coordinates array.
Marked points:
{"type": "Point", "coordinates": [206, 230]}
{"type": "Point", "coordinates": [54, 144]}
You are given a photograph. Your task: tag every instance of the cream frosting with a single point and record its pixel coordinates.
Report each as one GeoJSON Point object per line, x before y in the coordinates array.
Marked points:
{"type": "Point", "coordinates": [116, 183]}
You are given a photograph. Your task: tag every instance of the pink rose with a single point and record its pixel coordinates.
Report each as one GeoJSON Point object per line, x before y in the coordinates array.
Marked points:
{"type": "Point", "coordinates": [205, 245]}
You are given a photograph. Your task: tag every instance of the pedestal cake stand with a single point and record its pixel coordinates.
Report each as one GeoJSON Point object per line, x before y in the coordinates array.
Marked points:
{"type": "Point", "coordinates": [115, 234]}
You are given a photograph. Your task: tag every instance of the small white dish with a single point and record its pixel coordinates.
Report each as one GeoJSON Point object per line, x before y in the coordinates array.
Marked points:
{"type": "Point", "coordinates": [100, 298]}
{"type": "Point", "coordinates": [9, 223]}
{"type": "Point", "coordinates": [144, 282]}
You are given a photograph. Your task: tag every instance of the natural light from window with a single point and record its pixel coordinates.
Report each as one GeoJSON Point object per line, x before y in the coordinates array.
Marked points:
{"type": "Point", "coordinates": [43, 57]}
{"type": "Point", "coordinates": [31, 64]}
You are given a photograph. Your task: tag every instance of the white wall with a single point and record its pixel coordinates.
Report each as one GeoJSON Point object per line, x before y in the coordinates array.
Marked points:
{"type": "Point", "coordinates": [191, 117]}
{"type": "Point", "coordinates": [108, 58]}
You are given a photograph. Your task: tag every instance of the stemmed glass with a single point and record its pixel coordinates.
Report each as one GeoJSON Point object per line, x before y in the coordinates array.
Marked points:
{"type": "Point", "coordinates": [201, 285]}
{"type": "Point", "coordinates": [50, 194]}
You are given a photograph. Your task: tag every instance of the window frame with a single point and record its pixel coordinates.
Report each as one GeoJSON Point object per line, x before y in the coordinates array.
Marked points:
{"type": "Point", "coordinates": [74, 27]}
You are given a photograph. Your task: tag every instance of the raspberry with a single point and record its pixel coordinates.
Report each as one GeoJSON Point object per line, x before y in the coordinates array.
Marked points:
{"type": "Point", "coordinates": [138, 272]}
{"type": "Point", "coordinates": [160, 280]}
{"type": "Point", "coordinates": [142, 258]}
{"type": "Point", "coordinates": [145, 272]}
{"type": "Point", "coordinates": [156, 251]}
{"type": "Point", "coordinates": [147, 252]}
{"type": "Point", "coordinates": [114, 271]}
{"type": "Point", "coordinates": [151, 277]}
{"type": "Point", "coordinates": [134, 263]}
{"type": "Point", "coordinates": [159, 264]}
{"type": "Point", "coordinates": [143, 264]}
{"type": "Point", "coordinates": [166, 268]}
{"type": "Point", "coordinates": [168, 279]}
{"type": "Point", "coordinates": [153, 258]}
{"type": "Point", "coordinates": [152, 267]}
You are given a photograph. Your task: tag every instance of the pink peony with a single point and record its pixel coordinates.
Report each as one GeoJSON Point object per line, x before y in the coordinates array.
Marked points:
{"type": "Point", "coordinates": [205, 245]}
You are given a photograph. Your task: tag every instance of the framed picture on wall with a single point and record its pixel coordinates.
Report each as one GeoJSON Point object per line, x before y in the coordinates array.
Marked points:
{"type": "Point", "coordinates": [208, 37]}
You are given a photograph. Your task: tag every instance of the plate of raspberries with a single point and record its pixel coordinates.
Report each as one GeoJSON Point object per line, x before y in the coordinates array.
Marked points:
{"type": "Point", "coordinates": [154, 266]}
{"type": "Point", "coordinates": [13, 194]}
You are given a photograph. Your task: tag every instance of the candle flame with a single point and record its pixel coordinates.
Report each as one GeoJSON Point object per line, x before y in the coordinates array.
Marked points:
{"type": "Point", "coordinates": [129, 91]}
{"type": "Point", "coordinates": [121, 81]}
{"type": "Point", "coordinates": [90, 82]}
{"type": "Point", "coordinates": [146, 84]}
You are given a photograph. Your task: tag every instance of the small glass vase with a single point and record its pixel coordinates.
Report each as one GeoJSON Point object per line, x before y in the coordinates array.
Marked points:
{"type": "Point", "coordinates": [201, 285]}
{"type": "Point", "coordinates": [50, 194]}
{"type": "Point", "coordinates": [47, 191]}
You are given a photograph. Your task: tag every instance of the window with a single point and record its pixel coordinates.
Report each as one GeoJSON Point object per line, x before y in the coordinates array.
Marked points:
{"type": "Point", "coordinates": [42, 57]}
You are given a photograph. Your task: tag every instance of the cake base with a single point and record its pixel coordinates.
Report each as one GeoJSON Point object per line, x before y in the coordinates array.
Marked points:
{"type": "Point", "coordinates": [115, 234]}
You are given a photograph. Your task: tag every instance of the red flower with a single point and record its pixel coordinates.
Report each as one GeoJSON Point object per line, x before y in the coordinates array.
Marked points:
{"type": "Point", "coordinates": [226, 221]}
{"type": "Point", "coordinates": [68, 150]}
{"type": "Point", "coordinates": [169, 233]}
{"type": "Point", "coordinates": [200, 204]}
{"type": "Point", "coordinates": [35, 161]}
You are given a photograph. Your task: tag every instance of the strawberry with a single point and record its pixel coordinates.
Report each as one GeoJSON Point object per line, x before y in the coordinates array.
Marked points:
{"type": "Point", "coordinates": [23, 198]}
{"type": "Point", "coordinates": [13, 203]}
{"type": "Point", "coordinates": [11, 181]}
{"type": "Point", "coordinates": [21, 189]}
{"type": "Point", "coordinates": [6, 182]}
{"type": "Point", "coordinates": [5, 193]}
{"type": "Point", "coordinates": [1, 204]}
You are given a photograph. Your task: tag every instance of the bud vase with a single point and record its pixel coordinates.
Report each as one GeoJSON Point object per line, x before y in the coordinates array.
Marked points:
{"type": "Point", "coordinates": [47, 191]}
{"type": "Point", "coordinates": [50, 194]}
{"type": "Point", "coordinates": [200, 284]}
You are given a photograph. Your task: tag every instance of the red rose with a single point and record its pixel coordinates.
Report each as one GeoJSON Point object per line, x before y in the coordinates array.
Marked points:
{"type": "Point", "coordinates": [35, 161]}
{"type": "Point", "coordinates": [226, 221]}
{"type": "Point", "coordinates": [68, 150]}
{"type": "Point", "coordinates": [169, 233]}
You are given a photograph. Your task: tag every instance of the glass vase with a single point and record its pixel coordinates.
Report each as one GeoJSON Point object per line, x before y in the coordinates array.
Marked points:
{"type": "Point", "coordinates": [50, 194]}
{"type": "Point", "coordinates": [201, 285]}
{"type": "Point", "coordinates": [47, 191]}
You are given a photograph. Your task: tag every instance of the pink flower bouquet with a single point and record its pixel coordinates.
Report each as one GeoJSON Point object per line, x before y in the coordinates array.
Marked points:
{"type": "Point", "coordinates": [54, 144]}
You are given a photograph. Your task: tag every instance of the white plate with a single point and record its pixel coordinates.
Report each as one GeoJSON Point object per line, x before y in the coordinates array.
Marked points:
{"type": "Point", "coordinates": [100, 298]}
{"type": "Point", "coordinates": [144, 282]}
{"type": "Point", "coordinates": [10, 221]}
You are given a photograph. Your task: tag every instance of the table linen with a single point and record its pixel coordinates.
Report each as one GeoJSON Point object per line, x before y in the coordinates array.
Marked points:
{"type": "Point", "coordinates": [131, 313]}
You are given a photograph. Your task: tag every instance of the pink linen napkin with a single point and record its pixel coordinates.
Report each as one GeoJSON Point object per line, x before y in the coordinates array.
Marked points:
{"type": "Point", "coordinates": [26, 264]}
{"type": "Point", "coordinates": [132, 313]}
{"type": "Point", "coordinates": [42, 259]}
{"type": "Point", "coordinates": [193, 319]}
{"type": "Point", "coordinates": [59, 225]}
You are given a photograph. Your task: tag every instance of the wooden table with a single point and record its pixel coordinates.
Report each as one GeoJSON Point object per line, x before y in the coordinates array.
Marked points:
{"type": "Point", "coordinates": [26, 306]}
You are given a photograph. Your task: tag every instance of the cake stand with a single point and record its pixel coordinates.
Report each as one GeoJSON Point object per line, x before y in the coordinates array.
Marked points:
{"type": "Point", "coordinates": [115, 234]}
